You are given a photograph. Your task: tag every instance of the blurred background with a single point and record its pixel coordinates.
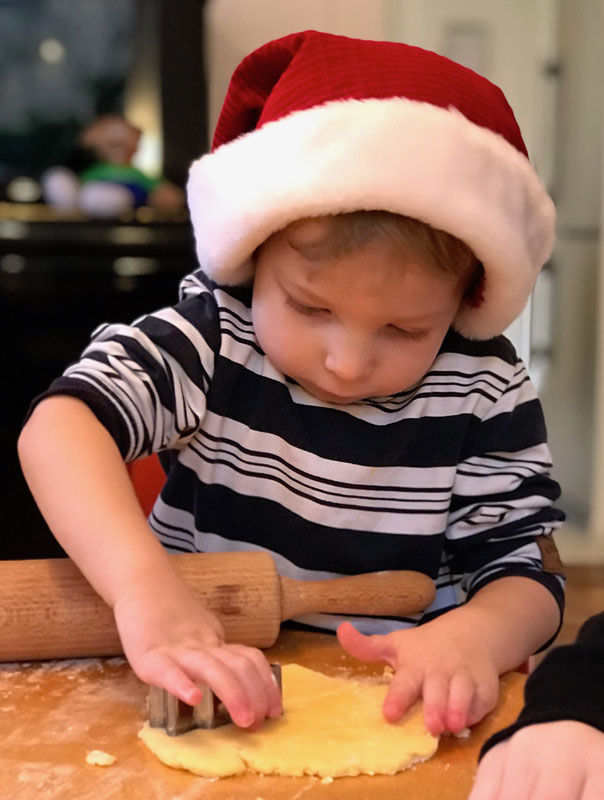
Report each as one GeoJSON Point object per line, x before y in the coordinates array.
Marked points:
{"type": "Point", "coordinates": [71, 258]}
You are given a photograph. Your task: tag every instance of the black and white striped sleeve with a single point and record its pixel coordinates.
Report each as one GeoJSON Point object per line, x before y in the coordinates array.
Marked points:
{"type": "Point", "coordinates": [147, 382]}
{"type": "Point", "coordinates": [503, 495]}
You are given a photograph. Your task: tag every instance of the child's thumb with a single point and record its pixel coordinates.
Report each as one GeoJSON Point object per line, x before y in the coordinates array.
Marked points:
{"type": "Point", "coordinates": [365, 648]}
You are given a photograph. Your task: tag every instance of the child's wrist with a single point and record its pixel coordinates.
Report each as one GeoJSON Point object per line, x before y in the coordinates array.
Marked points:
{"type": "Point", "coordinates": [144, 575]}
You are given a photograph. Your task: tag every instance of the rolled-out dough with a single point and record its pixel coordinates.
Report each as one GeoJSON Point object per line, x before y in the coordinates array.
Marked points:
{"type": "Point", "coordinates": [331, 727]}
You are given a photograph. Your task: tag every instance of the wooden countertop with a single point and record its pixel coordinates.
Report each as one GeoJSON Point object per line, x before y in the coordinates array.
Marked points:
{"type": "Point", "coordinates": [55, 712]}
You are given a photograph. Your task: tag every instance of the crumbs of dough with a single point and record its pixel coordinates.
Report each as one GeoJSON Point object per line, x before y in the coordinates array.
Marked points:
{"type": "Point", "coordinates": [98, 758]}
{"type": "Point", "coordinates": [464, 733]}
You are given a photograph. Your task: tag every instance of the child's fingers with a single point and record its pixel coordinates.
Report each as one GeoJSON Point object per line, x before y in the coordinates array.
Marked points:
{"type": "Point", "coordinates": [484, 700]}
{"type": "Point", "coordinates": [159, 669]}
{"type": "Point", "coordinates": [273, 691]}
{"type": "Point", "coordinates": [258, 675]}
{"type": "Point", "coordinates": [234, 678]}
{"type": "Point", "coordinates": [365, 648]}
{"type": "Point", "coordinates": [435, 694]}
{"type": "Point", "coordinates": [162, 670]}
{"type": "Point", "coordinates": [403, 692]}
{"type": "Point", "coordinates": [462, 691]}
{"type": "Point", "coordinates": [239, 676]}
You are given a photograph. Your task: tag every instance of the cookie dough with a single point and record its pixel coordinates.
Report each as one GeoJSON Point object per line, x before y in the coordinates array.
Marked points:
{"type": "Point", "coordinates": [98, 758]}
{"type": "Point", "coordinates": [331, 727]}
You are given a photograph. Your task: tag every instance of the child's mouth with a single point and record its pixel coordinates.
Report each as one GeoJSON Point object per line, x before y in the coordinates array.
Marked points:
{"type": "Point", "coordinates": [330, 397]}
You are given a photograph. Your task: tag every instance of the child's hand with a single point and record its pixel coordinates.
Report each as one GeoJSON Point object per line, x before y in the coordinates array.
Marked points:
{"type": "Point", "coordinates": [457, 679]}
{"type": "Point", "coordinates": [554, 760]}
{"type": "Point", "coordinates": [172, 641]}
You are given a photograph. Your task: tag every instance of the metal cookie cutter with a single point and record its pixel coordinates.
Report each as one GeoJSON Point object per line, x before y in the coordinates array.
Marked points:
{"type": "Point", "coordinates": [168, 712]}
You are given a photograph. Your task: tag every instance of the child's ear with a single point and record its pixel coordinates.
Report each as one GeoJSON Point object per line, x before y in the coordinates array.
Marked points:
{"type": "Point", "coordinates": [474, 294]}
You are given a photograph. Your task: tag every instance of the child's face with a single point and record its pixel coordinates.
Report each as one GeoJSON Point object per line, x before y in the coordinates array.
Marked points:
{"type": "Point", "coordinates": [365, 324]}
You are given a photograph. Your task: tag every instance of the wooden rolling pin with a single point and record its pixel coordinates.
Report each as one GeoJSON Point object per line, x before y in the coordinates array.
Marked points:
{"type": "Point", "coordinates": [49, 610]}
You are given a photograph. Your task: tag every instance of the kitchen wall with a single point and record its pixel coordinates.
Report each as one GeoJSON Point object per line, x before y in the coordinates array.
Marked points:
{"type": "Point", "coordinates": [236, 27]}
{"type": "Point", "coordinates": [569, 387]}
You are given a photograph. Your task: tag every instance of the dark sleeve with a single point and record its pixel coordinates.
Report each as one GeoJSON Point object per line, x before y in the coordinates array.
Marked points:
{"type": "Point", "coordinates": [567, 685]}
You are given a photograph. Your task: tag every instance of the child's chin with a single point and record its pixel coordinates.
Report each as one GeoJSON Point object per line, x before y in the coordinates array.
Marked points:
{"type": "Point", "coordinates": [335, 399]}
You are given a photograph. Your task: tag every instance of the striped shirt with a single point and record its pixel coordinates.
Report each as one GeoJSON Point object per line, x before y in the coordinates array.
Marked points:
{"type": "Point", "coordinates": [449, 477]}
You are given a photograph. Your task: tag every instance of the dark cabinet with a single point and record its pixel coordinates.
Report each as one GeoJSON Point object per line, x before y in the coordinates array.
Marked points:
{"type": "Point", "coordinates": [58, 281]}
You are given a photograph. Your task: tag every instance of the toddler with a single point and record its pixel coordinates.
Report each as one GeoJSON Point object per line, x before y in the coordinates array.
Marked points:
{"type": "Point", "coordinates": [332, 386]}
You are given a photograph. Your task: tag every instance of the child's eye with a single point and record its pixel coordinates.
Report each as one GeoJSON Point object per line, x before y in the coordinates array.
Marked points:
{"type": "Point", "coordinates": [412, 336]}
{"type": "Point", "coordinates": [309, 311]}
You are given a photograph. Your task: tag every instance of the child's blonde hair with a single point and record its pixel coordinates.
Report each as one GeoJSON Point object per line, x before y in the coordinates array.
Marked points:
{"type": "Point", "coordinates": [348, 232]}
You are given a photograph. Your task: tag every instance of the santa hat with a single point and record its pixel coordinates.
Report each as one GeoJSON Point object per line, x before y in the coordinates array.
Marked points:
{"type": "Point", "coordinates": [317, 124]}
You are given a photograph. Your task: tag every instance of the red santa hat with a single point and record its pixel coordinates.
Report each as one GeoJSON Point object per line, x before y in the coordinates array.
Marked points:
{"type": "Point", "coordinates": [317, 124]}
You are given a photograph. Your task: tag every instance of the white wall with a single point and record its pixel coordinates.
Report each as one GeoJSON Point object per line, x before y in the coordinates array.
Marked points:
{"type": "Point", "coordinates": [236, 27]}
{"type": "Point", "coordinates": [596, 521]}
{"type": "Point", "coordinates": [568, 391]}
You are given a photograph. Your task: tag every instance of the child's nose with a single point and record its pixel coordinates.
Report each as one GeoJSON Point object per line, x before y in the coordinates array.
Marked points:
{"type": "Point", "coordinates": [349, 359]}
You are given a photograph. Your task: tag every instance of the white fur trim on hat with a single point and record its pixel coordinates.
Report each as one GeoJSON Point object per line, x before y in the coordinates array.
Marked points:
{"type": "Point", "coordinates": [397, 155]}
